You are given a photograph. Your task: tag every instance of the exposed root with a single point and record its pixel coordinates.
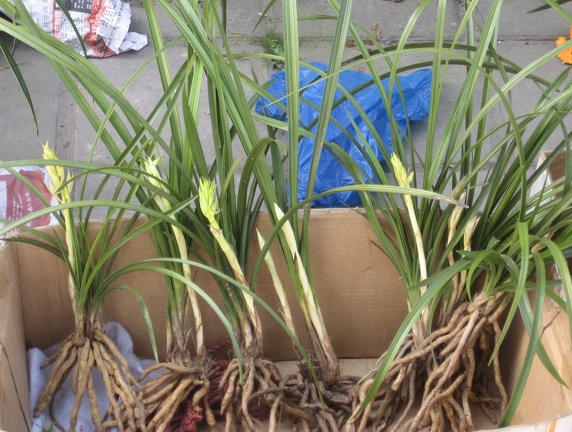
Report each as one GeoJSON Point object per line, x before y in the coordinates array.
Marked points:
{"type": "Point", "coordinates": [89, 348]}
{"type": "Point", "coordinates": [259, 375]}
{"type": "Point", "coordinates": [451, 367]}
{"type": "Point", "coordinates": [261, 385]}
{"type": "Point", "coordinates": [177, 383]}
{"type": "Point", "coordinates": [182, 384]}
{"type": "Point", "coordinates": [325, 408]}
{"type": "Point", "coordinates": [216, 372]}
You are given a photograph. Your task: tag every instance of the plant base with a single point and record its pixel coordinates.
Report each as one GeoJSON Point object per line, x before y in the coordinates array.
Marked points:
{"type": "Point", "coordinates": [330, 406]}
{"type": "Point", "coordinates": [79, 355]}
{"type": "Point", "coordinates": [162, 396]}
{"type": "Point", "coordinates": [261, 384]}
{"type": "Point", "coordinates": [451, 367]}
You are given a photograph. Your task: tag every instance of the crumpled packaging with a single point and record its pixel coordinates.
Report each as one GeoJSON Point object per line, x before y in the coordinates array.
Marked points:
{"type": "Point", "coordinates": [103, 25]}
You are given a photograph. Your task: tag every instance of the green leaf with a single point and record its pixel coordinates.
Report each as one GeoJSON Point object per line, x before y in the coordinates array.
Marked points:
{"type": "Point", "coordinates": [146, 316]}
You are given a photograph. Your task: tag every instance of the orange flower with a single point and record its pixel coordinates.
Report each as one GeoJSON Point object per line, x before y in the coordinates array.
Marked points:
{"type": "Point", "coordinates": [566, 55]}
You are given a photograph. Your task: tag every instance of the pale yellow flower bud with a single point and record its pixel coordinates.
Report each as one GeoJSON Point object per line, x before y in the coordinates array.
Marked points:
{"type": "Point", "coordinates": [403, 179]}
{"type": "Point", "coordinates": [469, 231]}
{"type": "Point", "coordinates": [208, 199]}
{"type": "Point", "coordinates": [58, 177]}
{"type": "Point", "coordinates": [541, 245]}
{"type": "Point", "coordinates": [455, 218]}
{"type": "Point", "coordinates": [149, 165]}
{"type": "Point", "coordinates": [62, 193]}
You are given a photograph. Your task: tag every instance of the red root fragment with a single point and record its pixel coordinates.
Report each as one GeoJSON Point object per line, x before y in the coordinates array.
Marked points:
{"type": "Point", "coordinates": [186, 419]}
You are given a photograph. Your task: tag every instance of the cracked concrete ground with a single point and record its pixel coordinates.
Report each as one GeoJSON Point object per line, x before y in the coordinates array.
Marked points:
{"type": "Point", "coordinates": [523, 37]}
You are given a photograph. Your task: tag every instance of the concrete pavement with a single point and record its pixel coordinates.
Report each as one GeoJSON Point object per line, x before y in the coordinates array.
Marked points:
{"type": "Point", "coordinates": [523, 38]}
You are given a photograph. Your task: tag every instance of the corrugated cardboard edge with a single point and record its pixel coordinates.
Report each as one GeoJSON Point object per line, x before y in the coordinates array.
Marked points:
{"type": "Point", "coordinates": [14, 397]}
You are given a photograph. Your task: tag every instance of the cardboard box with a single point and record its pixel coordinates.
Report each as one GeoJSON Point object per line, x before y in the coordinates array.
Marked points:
{"type": "Point", "coordinates": [359, 290]}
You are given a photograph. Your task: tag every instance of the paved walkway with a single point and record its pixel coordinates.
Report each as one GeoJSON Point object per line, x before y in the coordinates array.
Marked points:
{"type": "Point", "coordinates": [523, 38]}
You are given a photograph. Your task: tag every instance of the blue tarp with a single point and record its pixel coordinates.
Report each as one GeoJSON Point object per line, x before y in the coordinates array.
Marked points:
{"type": "Point", "coordinates": [416, 88]}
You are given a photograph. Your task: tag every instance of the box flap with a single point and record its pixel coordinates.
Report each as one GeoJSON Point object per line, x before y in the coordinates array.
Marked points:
{"type": "Point", "coordinates": [555, 399]}
{"type": "Point", "coordinates": [14, 398]}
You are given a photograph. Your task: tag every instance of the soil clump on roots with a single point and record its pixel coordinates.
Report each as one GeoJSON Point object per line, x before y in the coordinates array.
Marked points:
{"type": "Point", "coordinates": [86, 350]}
{"type": "Point", "coordinates": [450, 367]}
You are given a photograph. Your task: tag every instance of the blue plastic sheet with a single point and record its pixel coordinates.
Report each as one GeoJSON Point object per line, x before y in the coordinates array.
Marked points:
{"type": "Point", "coordinates": [416, 88]}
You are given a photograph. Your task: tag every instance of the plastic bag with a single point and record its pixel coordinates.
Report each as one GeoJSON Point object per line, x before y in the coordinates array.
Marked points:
{"type": "Point", "coordinates": [416, 88]}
